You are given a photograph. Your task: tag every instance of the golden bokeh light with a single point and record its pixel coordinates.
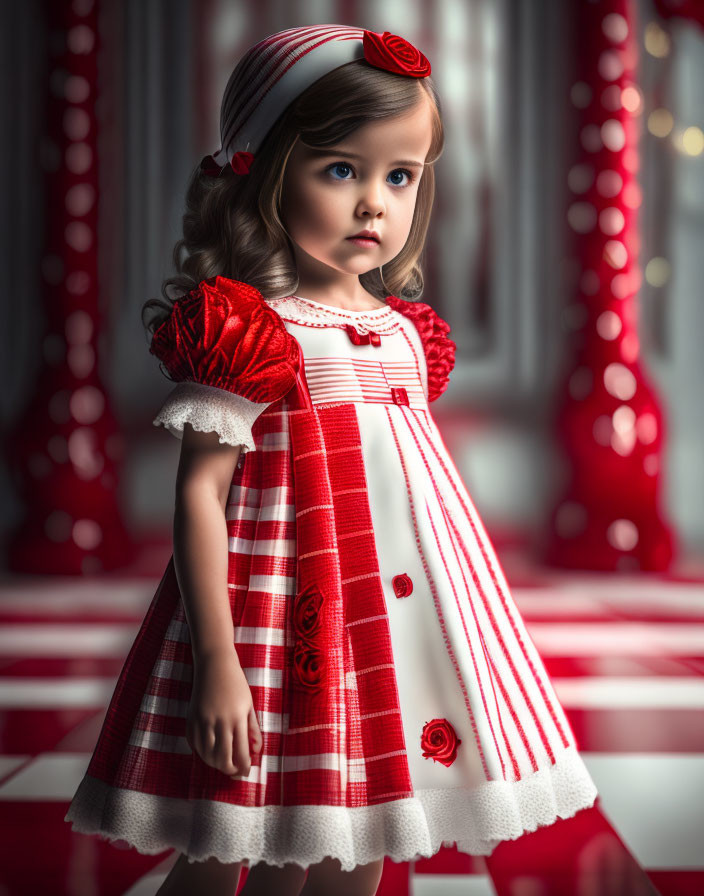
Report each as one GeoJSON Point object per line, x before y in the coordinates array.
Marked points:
{"type": "Point", "coordinates": [657, 271]}
{"type": "Point", "coordinates": [660, 122]}
{"type": "Point", "coordinates": [657, 41]}
{"type": "Point", "coordinates": [693, 141]}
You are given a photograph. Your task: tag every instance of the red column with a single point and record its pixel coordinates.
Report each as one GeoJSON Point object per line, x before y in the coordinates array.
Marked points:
{"type": "Point", "coordinates": [65, 447]}
{"type": "Point", "coordinates": [610, 425]}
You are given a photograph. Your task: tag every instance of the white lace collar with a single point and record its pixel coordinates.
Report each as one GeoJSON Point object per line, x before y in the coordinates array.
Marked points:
{"type": "Point", "coordinates": [306, 311]}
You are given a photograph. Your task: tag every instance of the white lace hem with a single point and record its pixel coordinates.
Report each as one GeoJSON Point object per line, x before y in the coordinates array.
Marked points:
{"type": "Point", "coordinates": [209, 409]}
{"type": "Point", "coordinates": [477, 820]}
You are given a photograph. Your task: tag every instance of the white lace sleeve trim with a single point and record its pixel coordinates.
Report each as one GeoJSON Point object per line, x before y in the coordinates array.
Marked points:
{"type": "Point", "coordinates": [209, 409]}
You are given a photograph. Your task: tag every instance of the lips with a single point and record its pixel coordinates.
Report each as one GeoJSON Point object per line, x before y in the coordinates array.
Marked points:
{"type": "Point", "coordinates": [365, 235]}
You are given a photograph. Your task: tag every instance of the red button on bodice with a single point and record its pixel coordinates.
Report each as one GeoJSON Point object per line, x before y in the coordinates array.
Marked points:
{"type": "Point", "coordinates": [399, 395]}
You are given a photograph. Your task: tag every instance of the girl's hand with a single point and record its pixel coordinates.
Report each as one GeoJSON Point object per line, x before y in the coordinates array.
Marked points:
{"type": "Point", "coordinates": [221, 725]}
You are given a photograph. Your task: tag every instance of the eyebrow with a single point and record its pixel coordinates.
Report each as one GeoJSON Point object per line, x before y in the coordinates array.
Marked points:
{"type": "Point", "coordinates": [326, 151]}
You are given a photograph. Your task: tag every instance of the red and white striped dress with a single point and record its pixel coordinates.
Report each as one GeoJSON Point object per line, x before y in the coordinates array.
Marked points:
{"type": "Point", "coordinates": [443, 726]}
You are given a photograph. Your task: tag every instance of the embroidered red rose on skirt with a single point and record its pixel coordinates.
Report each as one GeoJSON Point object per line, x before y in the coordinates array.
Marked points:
{"type": "Point", "coordinates": [439, 741]}
{"type": "Point", "coordinates": [309, 665]}
{"type": "Point", "coordinates": [393, 53]}
{"type": "Point", "coordinates": [306, 612]}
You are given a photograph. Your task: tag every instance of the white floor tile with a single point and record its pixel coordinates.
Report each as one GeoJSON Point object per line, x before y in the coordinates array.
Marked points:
{"type": "Point", "coordinates": [616, 638]}
{"type": "Point", "coordinates": [622, 692]}
{"type": "Point", "coordinates": [10, 763]}
{"type": "Point", "coordinates": [50, 777]}
{"type": "Point", "coordinates": [655, 803]}
{"type": "Point", "coordinates": [452, 885]}
{"type": "Point", "coordinates": [55, 693]}
{"type": "Point", "coordinates": [60, 596]}
{"type": "Point", "coordinates": [66, 639]}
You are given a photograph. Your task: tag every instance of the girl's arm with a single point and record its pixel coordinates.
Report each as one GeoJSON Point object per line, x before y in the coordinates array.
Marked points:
{"type": "Point", "coordinates": [221, 723]}
{"type": "Point", "coordinates": [200, 539]}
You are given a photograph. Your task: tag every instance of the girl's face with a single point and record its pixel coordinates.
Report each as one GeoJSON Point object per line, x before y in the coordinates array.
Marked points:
{"type": "Point", "coordinates": [367, 182]}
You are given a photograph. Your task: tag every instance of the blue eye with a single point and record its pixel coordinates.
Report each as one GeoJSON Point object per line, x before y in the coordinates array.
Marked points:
{"type": "Point", "coordinates": [347, 168]}
{"type": "Point", "coordinates": [402, 171]}
{"type": "Point", "coordinates": [339, 165]}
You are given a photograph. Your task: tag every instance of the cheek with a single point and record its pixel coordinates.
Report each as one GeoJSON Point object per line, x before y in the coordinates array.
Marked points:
{"type": "Point", "coordinates": [404, 216]}
{"type": "Point", "coordinates": [314, 213]}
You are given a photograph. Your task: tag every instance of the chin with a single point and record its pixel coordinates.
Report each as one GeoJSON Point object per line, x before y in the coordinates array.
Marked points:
{"type": "Point", "coordinates": [346, 268]}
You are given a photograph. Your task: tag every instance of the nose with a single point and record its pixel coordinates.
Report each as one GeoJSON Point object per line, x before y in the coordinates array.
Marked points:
{"type": "Point", "coordinates": [371, 201]}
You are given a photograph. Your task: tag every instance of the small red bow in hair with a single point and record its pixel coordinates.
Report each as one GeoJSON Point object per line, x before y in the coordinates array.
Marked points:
{"type": "Point", "coordinates": [209, 166]}
{"type": "Point", "coordinates": [241, 162]}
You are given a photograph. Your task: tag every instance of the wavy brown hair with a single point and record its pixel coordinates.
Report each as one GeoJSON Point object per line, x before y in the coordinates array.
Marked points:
{"type": "Point", "coordinates": [232, 225]}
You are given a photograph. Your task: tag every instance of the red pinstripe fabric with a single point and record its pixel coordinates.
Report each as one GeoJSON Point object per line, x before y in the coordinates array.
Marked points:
{"type": "Point", "coordinates": [479, 536]}
{"type": "Point", "coordinates": [261, 66]}
{"type": "Point", "coordinates": [518, 680]}
{"type": "Point", "coordinates": [264, 64]}
{"type": "Point", "coordinates": [433, 590]}
{"type": "Point", "coordinates": [414, 427]}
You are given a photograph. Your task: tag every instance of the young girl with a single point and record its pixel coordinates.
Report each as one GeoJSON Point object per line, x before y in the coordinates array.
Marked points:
{"type": "Point", "coordinates": [332, 669]}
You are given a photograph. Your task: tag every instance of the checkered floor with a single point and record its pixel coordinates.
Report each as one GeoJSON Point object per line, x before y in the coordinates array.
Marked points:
{"type": "Point", "coordinates": [626, 656]}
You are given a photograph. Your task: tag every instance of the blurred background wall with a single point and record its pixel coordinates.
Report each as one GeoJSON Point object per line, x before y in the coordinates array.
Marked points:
{"type": "Point", "coordinates": [499, 265]}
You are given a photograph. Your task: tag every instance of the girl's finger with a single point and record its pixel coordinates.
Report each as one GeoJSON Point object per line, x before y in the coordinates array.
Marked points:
{"type": "Point", "coordinates": [207, 743]}
{"type": "Point", "coordinates": [241, 756]}
{"type": "Point", "coordinates": [254, 732]}
{"type": "Point", "coordinates": [197, 740]}
{"type": "Point", "coordinates": [222, 751]}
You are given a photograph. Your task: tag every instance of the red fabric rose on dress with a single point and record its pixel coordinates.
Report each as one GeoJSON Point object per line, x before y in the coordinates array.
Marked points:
{"type": "Point", "coordinates": [403, 585]}
{"type": "Point", "coordinates": [439, 348]}
{"type": "Point", "coordinates": [306, 612]}
{"type": "Point", "coordinates": [309, 665]}
{"type": "Point", "coordinates": [439, 741]}
{"type": "Point", "coordinates": [222, 333]}
{"type": "Point", "coordinates": [395, 54]}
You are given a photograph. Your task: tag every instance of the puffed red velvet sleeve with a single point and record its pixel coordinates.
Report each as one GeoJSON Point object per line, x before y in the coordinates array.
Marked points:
{"type": "Point", "coordinates": [438, 348]}
{"type": "Point", "coordinates": [231, 356]}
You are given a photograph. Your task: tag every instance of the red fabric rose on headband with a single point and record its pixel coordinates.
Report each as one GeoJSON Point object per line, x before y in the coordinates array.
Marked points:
{"type": "Point", "coordinates": [393, 53]}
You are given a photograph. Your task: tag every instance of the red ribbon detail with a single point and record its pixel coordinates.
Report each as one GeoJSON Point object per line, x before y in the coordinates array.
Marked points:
{"type": "Point", "coordinates": [399, 395]}
{"type": "Point", "coordinates": [370, 338]}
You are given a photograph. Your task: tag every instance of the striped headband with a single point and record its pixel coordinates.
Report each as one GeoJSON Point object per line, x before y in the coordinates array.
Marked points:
{"type": "Point", "coordinates": [273, 72]}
